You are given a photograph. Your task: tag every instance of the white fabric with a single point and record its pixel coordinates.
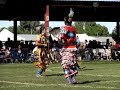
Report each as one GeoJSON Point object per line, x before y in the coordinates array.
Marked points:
{"type": "Point", "coordinates": [83, 37]}
{"type": "Point", "coordinates": [35, 49]}
{"type": "Point", "coordinates": [5, 34]}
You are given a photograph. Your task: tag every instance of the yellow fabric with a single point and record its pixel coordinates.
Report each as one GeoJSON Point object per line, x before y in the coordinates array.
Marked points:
{"type": "Point", "coordinates": [38, 51]}
{"type": "Point", "coordinates": [40, 40]}
{"type": "Point", "coordinates": [40, 65]}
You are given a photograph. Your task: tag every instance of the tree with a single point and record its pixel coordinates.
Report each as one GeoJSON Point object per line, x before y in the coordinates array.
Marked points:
{"type": "Point", "coordinates": [2, 28]}
{"type": "Point", "coordinates": [115, 36]}
{"type": "Point", "coordinates": [79, 27]}
{"type": "Point", "coordinates": [91, 28]}
{"type": "Point", "coordinates": [11, 29]}
{"type": "Point", "coordinates": [24, 29]}
{"type": "Point", "coordinates": [29, 25]}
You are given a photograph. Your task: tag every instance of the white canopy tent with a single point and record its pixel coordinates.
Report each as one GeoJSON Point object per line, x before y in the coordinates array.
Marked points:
{"type": "Point", "coordinates": [84, 37]}
{"type": "Point", "coordinates": [5, 34]}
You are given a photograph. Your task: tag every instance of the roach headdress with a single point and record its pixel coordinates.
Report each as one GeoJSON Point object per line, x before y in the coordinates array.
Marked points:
{"type": "Point", "coordinates": [68, 19]}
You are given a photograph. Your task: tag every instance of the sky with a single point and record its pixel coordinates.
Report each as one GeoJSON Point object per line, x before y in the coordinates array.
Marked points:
{"type": "Point", "coordinates": [109, 25]}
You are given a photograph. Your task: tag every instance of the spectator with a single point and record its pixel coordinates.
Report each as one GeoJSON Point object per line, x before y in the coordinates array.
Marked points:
{"type": "Point", "coordinates": [1, 45]}
{"type": "Point", "coordinates": [77, 42]}
{"type": "Point", "coordinates": [8, 55]}
{"type": "Point", "coordinates": [19, 54]}
{"type": "Point", "coordinates": [54, 52]}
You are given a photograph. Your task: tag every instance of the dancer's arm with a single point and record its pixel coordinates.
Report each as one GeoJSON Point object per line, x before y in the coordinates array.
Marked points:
{"type": "Point", "coordinates": [38, 43]}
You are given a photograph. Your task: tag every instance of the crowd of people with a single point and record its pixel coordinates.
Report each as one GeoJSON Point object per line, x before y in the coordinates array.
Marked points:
{"type": "Point", "coordinates": [23, 51]}
{"type": "Point", "coordinates": [13, 52]}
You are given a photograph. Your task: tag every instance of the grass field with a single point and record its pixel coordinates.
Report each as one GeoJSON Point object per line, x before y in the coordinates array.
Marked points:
{"type": "Point", "coordinates": [97, 75]}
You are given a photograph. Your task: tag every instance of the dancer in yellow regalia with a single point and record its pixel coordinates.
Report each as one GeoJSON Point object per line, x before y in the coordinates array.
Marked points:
{"type": "Point", "coordinates": [41, 44]}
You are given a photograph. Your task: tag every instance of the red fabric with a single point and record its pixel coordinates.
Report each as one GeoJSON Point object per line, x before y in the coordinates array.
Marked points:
{"type": "Point", "coordinates": [71, 46]}
{"type": "Point", "coordinates": [64, 36]}
{"type": "Point", "coordinates": [117, 45]}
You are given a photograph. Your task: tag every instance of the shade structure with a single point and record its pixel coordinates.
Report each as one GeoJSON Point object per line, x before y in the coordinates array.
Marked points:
{"type": "Point", "coordinates": [5, 34]}
{"type": "Point", "coordinates": [83, 37]}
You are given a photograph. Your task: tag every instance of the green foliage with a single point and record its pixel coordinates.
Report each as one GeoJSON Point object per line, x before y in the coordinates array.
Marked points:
{"type": "Point", "coordinates": [2, 28]}
{"type": "Point", "coordinates": [115, 36]}
{"type": "Point", "coordinates": [11, 29]}
{"type": "Point", "coordinates": [24, 28]}
{"type": "Point", "coordinates": [19, 31]}
{"type": "Point", "coordinates": [28, 26]}
{"type": "Point", "coordinates": [91, 28]}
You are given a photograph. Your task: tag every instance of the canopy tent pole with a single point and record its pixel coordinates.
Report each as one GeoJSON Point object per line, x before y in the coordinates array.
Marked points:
{"type": "Point", "coordinates": [46, 18]}
{"type": "Point", "coordinates": [15, 31]}
{"type": "Point", "coordinates": [46, 24]}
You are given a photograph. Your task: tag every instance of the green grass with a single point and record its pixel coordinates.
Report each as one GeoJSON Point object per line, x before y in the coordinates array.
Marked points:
{"type": "Point", "coordinates": [97, 75]}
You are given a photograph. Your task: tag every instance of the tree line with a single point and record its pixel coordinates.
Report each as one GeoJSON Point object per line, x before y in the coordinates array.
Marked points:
{"type": "Point", "coordinates": [25, 27]}
{"type": "Point", "coordinates": [90, 28]}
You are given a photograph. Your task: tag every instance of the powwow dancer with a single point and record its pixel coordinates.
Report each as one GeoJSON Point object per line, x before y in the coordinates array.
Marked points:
{"type": "Point", "coordinates": [68, 52]}
{"type": "Point", "coordinates": [41, 61]}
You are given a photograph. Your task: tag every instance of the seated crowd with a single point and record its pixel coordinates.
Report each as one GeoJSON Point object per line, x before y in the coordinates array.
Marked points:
{"type": "Point", "coordinates": [11, 51]}
{"type": "Point", "coordinates": [21, 51]}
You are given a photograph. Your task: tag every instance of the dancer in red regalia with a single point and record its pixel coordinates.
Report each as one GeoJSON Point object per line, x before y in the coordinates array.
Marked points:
{"type": "Point", "coordinates": [68, 52]}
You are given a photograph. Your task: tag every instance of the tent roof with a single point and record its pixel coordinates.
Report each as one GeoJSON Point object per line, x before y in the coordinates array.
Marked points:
{"type": "Point", "coordinates": [32, 37]}
{"type": "Point", "coordinates": [84, 37]}
{"type": "Point", "coordinates": [5, 34]}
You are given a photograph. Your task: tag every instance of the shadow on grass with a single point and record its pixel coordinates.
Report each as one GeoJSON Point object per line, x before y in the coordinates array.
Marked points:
{"type": "Point", "coordinates": [85, 69]}
{"type": "Point", "coordinates": [86, 82]}
{"type": "Point", "coordinates": [60, 74]}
